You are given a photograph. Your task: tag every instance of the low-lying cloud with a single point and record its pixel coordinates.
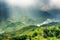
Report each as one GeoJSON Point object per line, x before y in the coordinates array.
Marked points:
{"type": "Point", "coordinates": [35, 9]}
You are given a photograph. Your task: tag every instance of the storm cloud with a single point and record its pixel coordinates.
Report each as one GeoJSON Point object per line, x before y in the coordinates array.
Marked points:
{"type": "Point", "coordinates": [3, 11]}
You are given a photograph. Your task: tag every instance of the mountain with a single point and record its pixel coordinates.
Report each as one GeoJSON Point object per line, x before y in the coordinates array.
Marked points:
{"type": "Point", "coordinates": [19, 30]}
{"type": "Point", "coordinates": [21, 27]}
{"type": "Point", "coordinates": [51, 24]}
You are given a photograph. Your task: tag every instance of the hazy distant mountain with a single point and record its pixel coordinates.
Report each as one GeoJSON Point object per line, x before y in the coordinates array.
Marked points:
{"type": "Point", "coordinates": [51, 24]}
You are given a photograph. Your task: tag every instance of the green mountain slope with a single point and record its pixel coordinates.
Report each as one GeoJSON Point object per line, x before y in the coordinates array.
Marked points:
{"type": "Point", "coordinates": [32, 32]}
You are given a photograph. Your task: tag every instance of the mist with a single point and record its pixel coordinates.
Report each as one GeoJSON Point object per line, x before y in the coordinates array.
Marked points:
{"type": "Point", "coordinates": [37, 10]}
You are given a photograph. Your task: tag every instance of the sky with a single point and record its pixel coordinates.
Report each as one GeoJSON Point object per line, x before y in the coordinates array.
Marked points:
{"type": "Point", "coordinates": [34, 9]}
{"type": "Point", "coordinates": [25, 3]}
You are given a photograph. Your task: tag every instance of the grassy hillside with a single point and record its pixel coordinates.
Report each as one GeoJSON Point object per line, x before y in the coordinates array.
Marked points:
{"type": "Point", "coordinates": [49, 31]}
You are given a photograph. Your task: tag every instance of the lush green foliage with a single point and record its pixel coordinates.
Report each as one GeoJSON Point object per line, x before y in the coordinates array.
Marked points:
{"type": "Point", "coordinates": [32, 32]}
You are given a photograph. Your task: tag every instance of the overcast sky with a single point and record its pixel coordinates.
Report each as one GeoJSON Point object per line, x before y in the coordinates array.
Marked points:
{"type": "Point", "coordinates": [44, 3]}
{"type": "Point", "coordinates": [35, 5]}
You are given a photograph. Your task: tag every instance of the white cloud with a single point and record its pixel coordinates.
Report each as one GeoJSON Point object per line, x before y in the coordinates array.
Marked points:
{"type": "Point", "coordinates": [39, 3]}
{"type": "Point", "coordinates": [55, 3]}
{"type": "Point", "coordinates": [22, 3]}
{"type": "Point", "coordinates": [45, 22]}
{"type": "Point", "coordinates": [49, 5]}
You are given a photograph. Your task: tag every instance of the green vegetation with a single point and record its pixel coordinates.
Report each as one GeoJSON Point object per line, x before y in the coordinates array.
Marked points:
{"type": "Point", "coordinates": [49, 31]}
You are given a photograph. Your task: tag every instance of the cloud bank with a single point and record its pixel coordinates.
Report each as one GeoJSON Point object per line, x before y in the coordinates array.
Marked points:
{"type": "Point", "coordinates": [35, 9]}
{"type": "Point", "coordinates": [42, 4]}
